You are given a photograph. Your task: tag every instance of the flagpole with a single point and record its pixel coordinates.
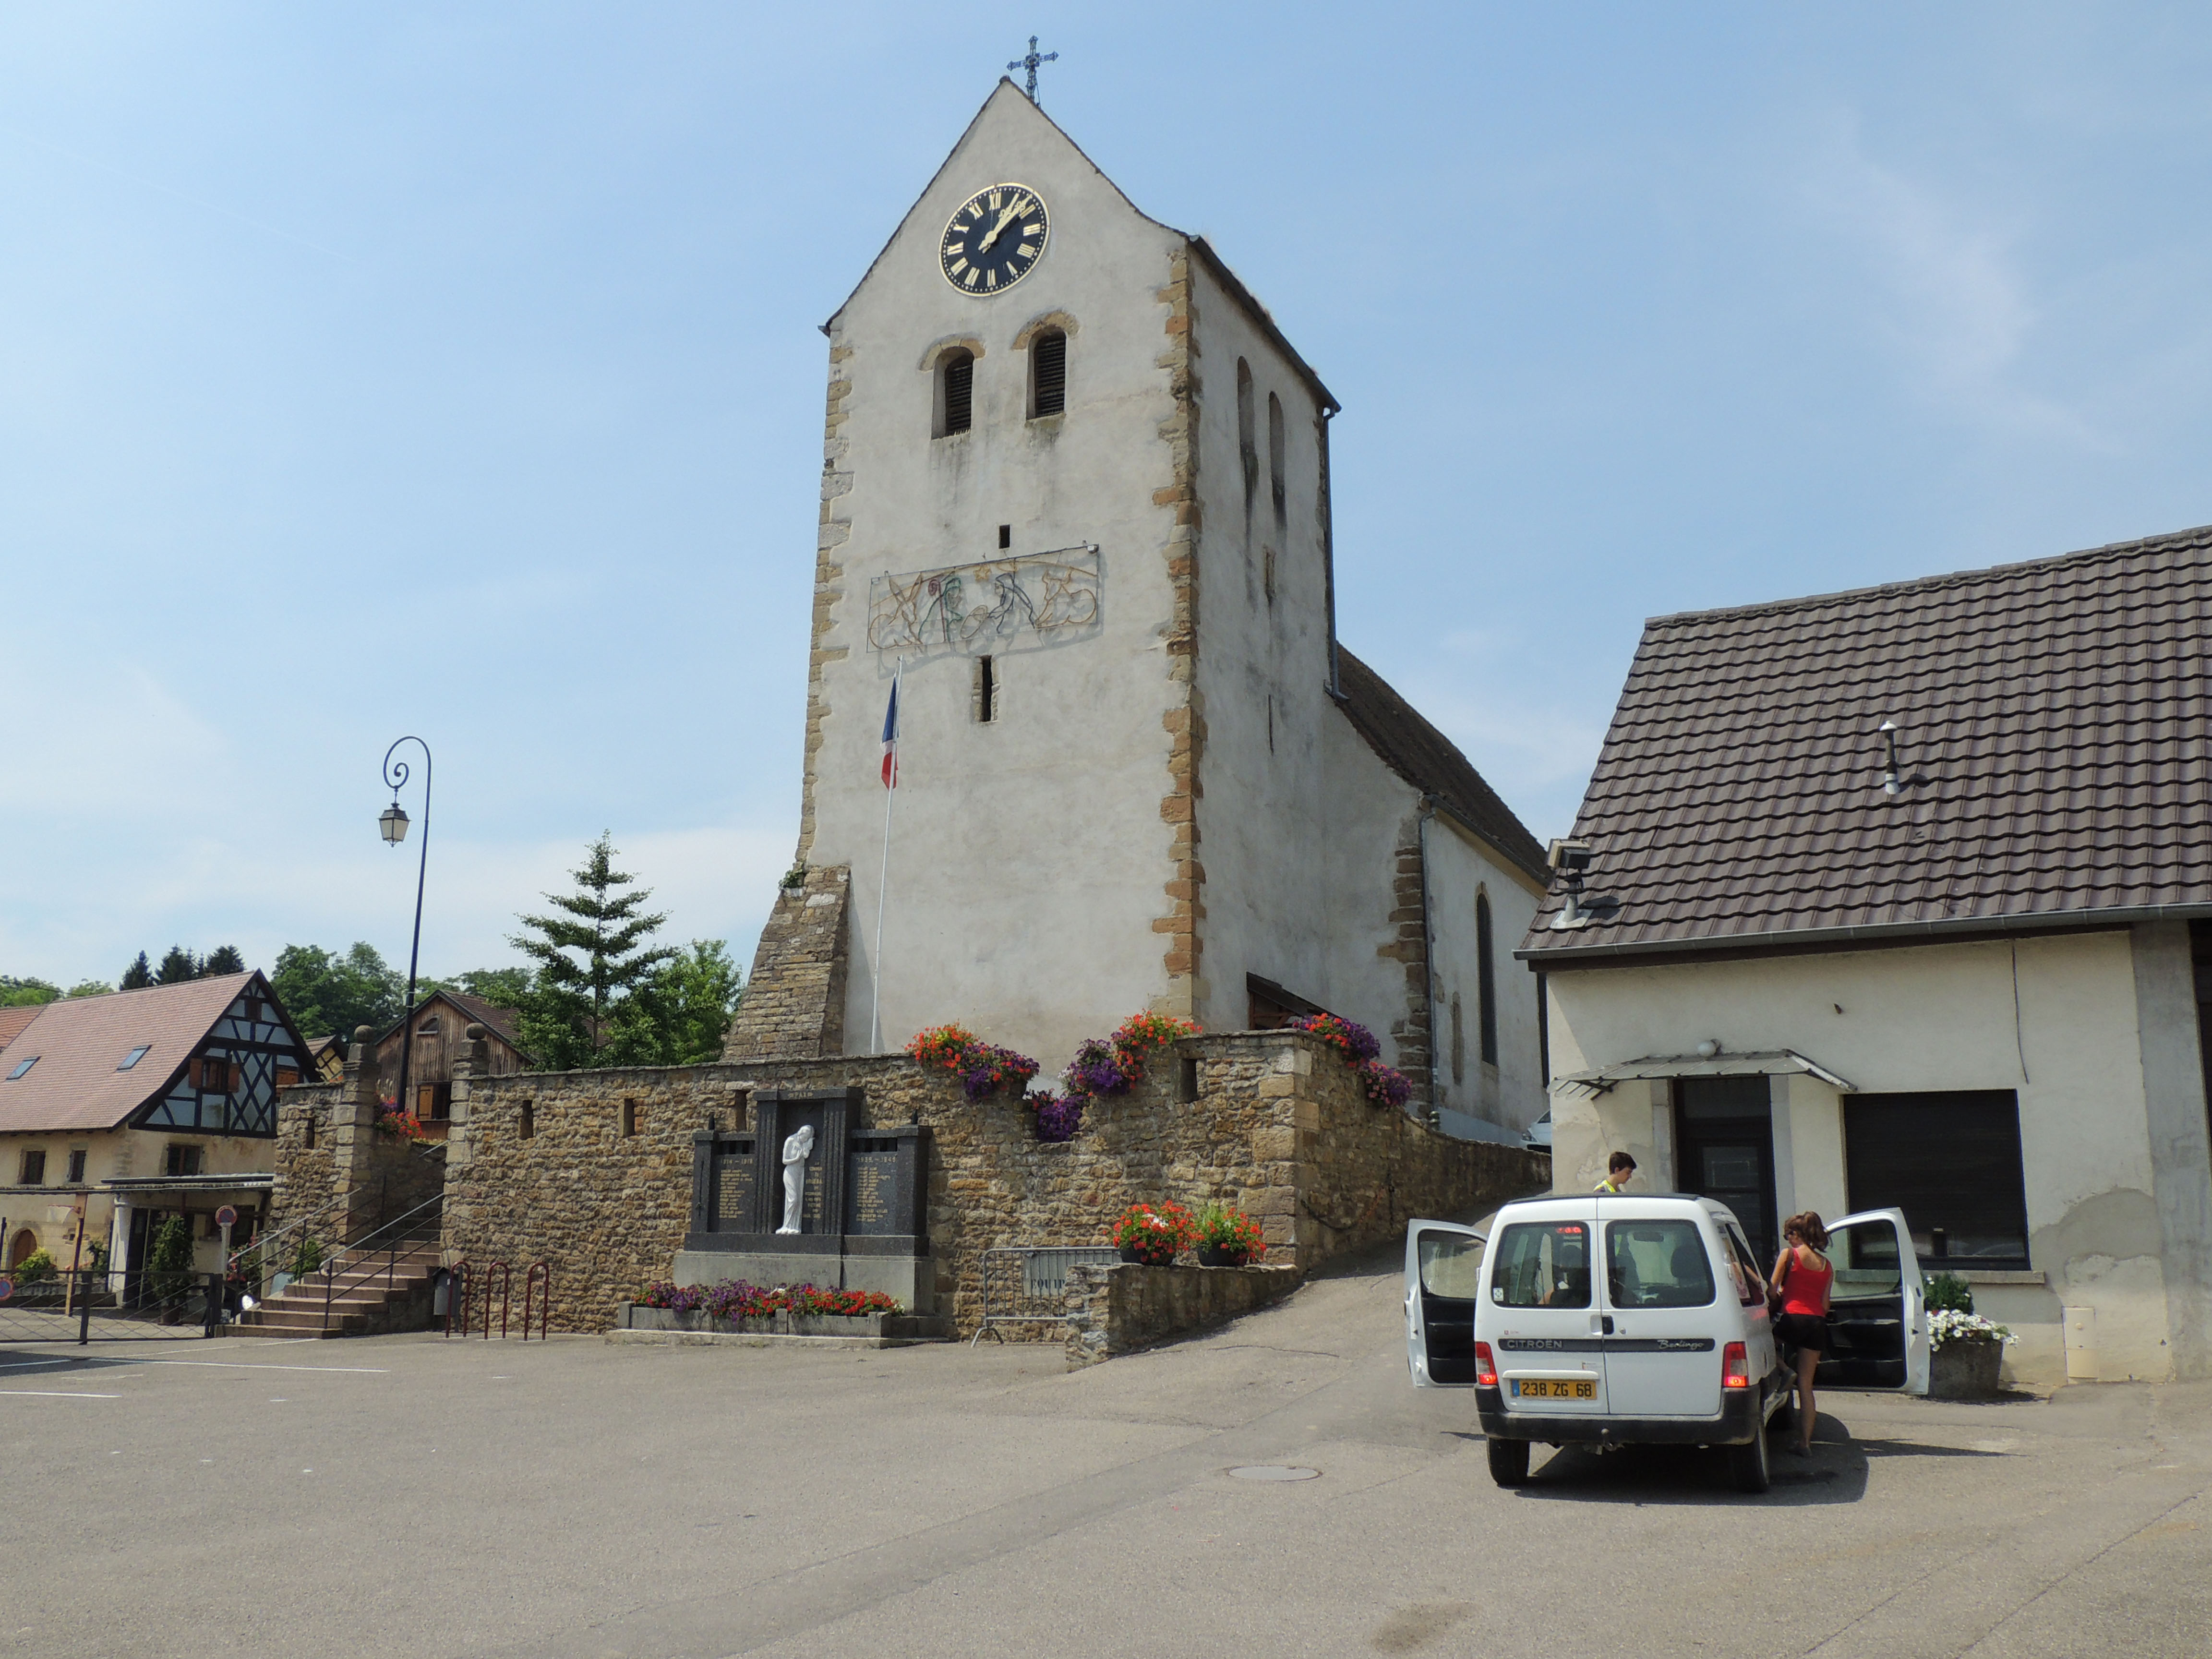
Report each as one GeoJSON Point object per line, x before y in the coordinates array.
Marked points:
{"type": "Point", "coordinates": [883, 878]}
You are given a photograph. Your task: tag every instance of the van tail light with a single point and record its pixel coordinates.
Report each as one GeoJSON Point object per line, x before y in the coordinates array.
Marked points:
{"type": "Point", "coordinates": [1485, 1367]}
{"type": "Point", "coordinates": [1735, 1367]}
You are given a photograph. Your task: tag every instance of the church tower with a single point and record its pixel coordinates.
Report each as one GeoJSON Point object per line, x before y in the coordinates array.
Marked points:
{"type": "Point", "coordinates": [1075, 504]}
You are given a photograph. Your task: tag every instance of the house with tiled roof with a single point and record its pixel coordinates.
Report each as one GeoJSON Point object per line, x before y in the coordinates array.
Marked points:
{"type": "Point", "coordinates": [119, 1111]}
{"type": "Point", "coordinates": [1903, 897]}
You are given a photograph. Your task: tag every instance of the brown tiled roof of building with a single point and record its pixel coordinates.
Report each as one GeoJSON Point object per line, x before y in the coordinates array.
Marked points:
{"type": "Point", "coordinates": [1430, 762]}
{"type": "Point", "coordinates": [2053, 722]}
{"type": "Point", "coordinates": [80, 1041]}
{"type": "Point", "coordinates": [13, 1020]}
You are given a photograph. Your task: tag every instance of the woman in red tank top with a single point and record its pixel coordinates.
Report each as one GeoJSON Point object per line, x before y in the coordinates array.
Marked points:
{"type": "Point", "coordinates": [1802, 1278]}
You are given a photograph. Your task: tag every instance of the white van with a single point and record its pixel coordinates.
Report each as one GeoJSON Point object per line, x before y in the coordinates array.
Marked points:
{"type": "Point", "coordinates": [1669, 1345]}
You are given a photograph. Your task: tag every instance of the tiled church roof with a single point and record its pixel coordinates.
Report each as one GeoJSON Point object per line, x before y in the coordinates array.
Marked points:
{"type": "Point", "coordinates": [1430, 762]}
{"type": "Point", "coordinates": [2052, 728]}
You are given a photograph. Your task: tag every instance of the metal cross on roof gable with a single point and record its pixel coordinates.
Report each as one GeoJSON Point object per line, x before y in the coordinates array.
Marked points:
{"type": "Point", "coordinates": [1030, 62]}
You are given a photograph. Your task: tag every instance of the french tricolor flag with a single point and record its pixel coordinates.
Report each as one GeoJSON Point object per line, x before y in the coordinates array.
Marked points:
{"type": "Point", "coordinates": [890, 737]}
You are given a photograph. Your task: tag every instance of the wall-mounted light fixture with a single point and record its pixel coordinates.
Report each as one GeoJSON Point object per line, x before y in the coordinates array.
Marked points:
{"type": "Point", "coordinates": [1569, 860]}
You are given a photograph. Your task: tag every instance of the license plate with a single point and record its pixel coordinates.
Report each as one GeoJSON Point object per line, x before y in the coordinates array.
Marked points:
{"type": "Point", "coordinates": [1584, 1390]}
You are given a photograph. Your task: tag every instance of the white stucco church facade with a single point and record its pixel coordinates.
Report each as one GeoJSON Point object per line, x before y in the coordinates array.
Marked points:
{"type": "Point", "coordinates": [1075, 500]}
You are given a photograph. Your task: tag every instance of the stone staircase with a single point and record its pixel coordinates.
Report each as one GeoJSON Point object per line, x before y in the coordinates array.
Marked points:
{"type": "Point", "coordinates": [373, 1294]}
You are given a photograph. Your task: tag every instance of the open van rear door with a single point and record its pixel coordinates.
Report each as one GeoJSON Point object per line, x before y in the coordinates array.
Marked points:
{"type": "Point", "coordinates": [1443, 1275]}
{"type": "Point", "coordinates": [1877, 1307]}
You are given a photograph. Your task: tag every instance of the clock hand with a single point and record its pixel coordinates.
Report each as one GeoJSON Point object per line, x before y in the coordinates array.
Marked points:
{"type": "Point", "coordinates": [1005, 219]}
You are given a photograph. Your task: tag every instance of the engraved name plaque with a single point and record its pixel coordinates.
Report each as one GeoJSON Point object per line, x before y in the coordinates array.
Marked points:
{"type": "Point", "coordinates": [875, 1195]}
{"type": "Point", "coordinates": [733, 1191]}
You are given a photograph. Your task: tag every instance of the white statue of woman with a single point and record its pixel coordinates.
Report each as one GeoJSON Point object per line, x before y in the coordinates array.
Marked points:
{"type": "Point", "coordinates": [796, 1151]}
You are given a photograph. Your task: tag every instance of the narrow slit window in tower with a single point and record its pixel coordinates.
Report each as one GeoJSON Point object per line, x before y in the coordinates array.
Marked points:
{"type": "Point", "coordinates": [987, 690]}
{"type": "Point", "coordinates": [1275, 486]}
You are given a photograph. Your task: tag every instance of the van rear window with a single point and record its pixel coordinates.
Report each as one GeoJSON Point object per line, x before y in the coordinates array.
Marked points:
{"type": "Point", "coordinates": [1657, 1264]}
{"type": "Point", "coordinates": [1542, 1264]}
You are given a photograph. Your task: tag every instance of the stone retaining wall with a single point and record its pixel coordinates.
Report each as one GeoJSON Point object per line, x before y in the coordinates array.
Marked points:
{"type": "Point", "coordinates": [591, 1172]}
{"type": "Point", "coordinates": [1117, 1309]}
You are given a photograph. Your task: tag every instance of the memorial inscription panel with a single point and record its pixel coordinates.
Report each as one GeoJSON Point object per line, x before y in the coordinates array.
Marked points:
{"type": "Point", "coordinates": [875, 1194]}
{"type": "Point", "coordinates": [733, 1191]}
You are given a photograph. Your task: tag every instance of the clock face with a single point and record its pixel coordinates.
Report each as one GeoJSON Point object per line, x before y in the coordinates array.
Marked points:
{"type": "Point", "coordinates": [993, 240]}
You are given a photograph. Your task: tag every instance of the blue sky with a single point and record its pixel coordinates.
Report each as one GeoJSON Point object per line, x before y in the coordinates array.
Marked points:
{"type": "Point", "coordinates": [452, 369]}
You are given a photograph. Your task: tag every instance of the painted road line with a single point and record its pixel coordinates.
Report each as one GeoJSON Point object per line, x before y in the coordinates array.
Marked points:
{"type": "Point", "coordinates": [50, 1393]}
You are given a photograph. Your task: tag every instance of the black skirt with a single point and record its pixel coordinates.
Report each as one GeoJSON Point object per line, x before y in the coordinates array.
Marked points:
{"type": "Point", "coordinates": [1807, 1332]}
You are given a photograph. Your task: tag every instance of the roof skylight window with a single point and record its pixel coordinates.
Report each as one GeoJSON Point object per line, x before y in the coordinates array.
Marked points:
{"type": "Point", "coordinates": [135, 1056]}
{"type": "Point", "coordinates": [21, 1067]}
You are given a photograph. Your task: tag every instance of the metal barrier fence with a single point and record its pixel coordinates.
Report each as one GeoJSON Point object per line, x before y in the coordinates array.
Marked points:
{"type": "Point", "coordinates": [82, 1306]}
{"type": "Point", "coordinates": [1024, 1284]}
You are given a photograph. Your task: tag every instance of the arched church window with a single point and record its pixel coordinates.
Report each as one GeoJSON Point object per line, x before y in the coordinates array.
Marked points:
{"type": "Point", "coordinates": [1248, 437]}
{"type": "Point", "coordinates": [956, 392]}
{"type": "Point", "coordinates": [1048, 373]}
{"type": "Point", "coordinates": [1486, 982]}
{"type": "Point", "coordinates": [1275, 488]}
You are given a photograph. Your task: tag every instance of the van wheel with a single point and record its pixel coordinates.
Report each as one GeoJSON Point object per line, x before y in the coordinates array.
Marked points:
{"type": "Point", "coordinates": [1509, 1462]}
{"type": "Point", "coordinates": [1748, 1466]}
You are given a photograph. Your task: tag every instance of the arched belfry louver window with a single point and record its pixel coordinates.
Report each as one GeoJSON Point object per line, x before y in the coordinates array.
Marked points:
{"type": "Point", "coordinates": [955, 392]}
{"type": "Point", "coordinates": [1276, 490]}
{"type": "Point", "coordinates": [1248, 437]}
{"type": "Point", "coordinates": [1485, 980]}
{"type": "Point", "coordinates": [1048, 373]}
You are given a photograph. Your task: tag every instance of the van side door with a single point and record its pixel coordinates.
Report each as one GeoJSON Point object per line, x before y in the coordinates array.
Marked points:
{"type": "Point", "coordinates": [1877, 1307]}
{"type": "Point", "coordinates": [1443, 1276]}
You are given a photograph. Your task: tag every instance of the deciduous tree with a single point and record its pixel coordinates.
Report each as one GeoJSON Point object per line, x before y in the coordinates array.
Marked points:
{"type": "Point", "coordinates": [329, 995]}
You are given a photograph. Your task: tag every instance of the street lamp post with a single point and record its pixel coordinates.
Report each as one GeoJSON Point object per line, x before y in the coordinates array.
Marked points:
{"type": "Point", "coordinates": [392, 821]}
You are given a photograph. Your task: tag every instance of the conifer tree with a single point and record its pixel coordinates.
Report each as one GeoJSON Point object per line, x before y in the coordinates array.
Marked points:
{"type": "Point", "coordinates": [592, 957]}
{"type": "Point", "coordinates": [178, 966]}
{"type": "Point", "coordinates": [223, 959]}
{"type": "Point", "coordinates": [138, 976]}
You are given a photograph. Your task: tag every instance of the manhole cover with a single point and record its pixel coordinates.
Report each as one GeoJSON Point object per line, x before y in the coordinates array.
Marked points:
{"type": "Point", "coordinates": [1273, 1472]}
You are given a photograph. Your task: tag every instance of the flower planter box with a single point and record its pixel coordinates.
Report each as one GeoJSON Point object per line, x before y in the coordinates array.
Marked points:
{"type": "Point", "coordinates": [1965, 1368]}
{"type": "Point", "coordinates": [876, 1326]}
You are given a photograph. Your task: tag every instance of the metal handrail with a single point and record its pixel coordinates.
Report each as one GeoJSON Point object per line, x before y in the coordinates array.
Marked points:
{"type": "Point", "coordinates": [334, 1268]}
{"type": "Point", "coordinates": [261, 1244]}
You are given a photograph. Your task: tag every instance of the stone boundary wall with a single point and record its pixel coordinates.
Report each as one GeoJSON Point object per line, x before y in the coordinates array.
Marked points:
{"type": "Point", "coordinates": [305, 1159]}
{"type": "Point", "coordinates": [1117, 1309]}
{"type": "Point", "coordinates": [327, 1148]}
{"type": "Point", "coordinates": [591, 1172]}
{"type": "Point", "coordinates": [1280, 1128]}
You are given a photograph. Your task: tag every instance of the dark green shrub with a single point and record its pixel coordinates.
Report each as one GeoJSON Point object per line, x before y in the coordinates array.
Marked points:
{"type": "Point", "coordinates": [1949, 1293]}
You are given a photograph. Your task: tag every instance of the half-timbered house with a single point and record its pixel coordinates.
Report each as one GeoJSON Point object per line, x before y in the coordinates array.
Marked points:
{"type": "Point", "coordinates": [119, 1111]}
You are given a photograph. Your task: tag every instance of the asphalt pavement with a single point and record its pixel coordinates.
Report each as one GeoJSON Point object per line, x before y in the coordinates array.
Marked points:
{"type": "Point", "coordinates": [411, 1495]}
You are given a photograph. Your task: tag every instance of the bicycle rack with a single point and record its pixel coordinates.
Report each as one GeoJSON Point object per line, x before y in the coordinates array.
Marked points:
{"type": "Point", "coordinates": [506, 1288]}
{"type": "Point", "coordinates": [544, 1299]}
